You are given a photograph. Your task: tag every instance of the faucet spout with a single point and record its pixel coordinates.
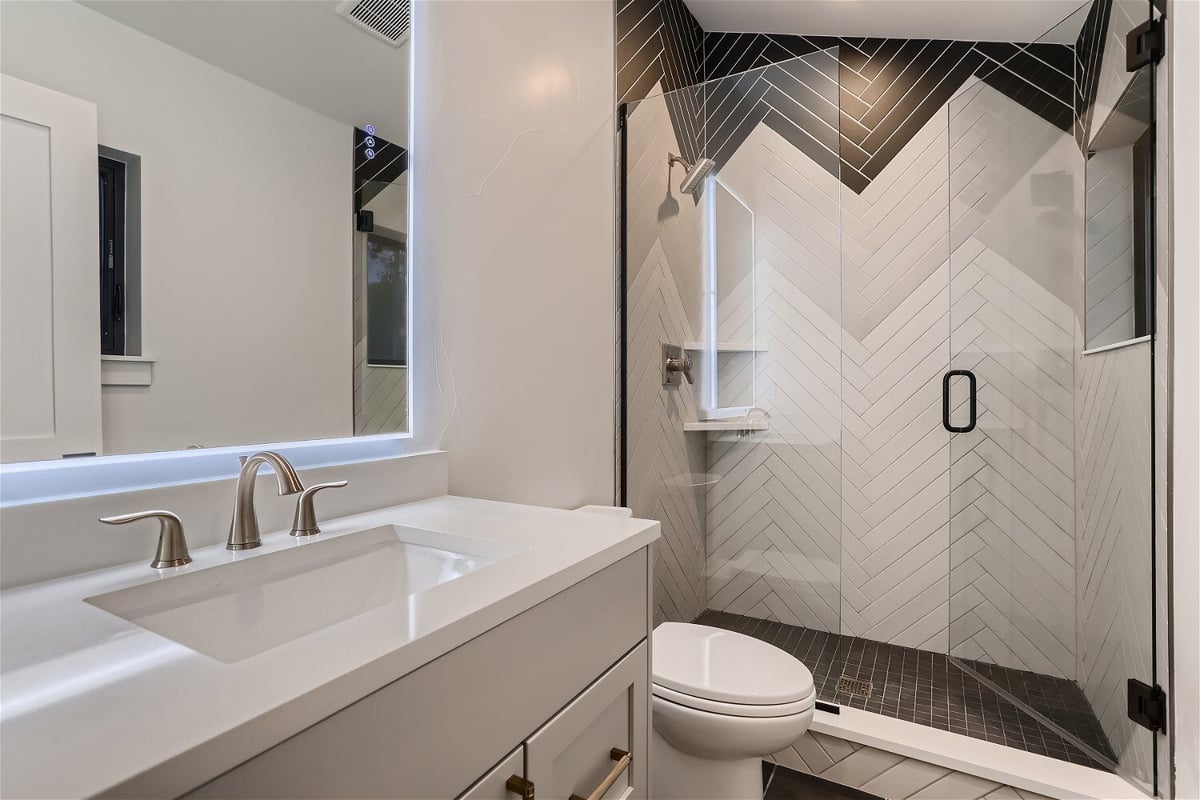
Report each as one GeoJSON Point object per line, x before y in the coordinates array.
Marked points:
{"type": "Point", "coordinates": [243, 529]}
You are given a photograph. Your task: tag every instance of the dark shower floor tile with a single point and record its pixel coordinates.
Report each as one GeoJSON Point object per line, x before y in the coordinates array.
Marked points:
{"type": "Point", "coordinates": [929, 689]}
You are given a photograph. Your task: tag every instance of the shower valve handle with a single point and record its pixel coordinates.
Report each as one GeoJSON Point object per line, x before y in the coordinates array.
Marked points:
{"type": "Point", "coordinates": [681, 364]}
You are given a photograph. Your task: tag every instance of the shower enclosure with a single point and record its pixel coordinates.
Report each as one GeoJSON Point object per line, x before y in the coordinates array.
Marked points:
{"type": "Point", "coordinates": [903, 457]}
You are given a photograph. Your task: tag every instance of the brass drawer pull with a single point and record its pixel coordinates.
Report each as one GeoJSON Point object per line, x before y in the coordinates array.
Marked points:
{"type": "Point", "coordinates": [623, 759]}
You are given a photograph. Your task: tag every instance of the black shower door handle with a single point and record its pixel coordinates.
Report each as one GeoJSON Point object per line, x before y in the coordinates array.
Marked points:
{"type": "Point", "coordinates": [970, 376]}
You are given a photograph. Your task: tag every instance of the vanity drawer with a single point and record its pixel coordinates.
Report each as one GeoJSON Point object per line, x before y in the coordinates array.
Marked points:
{"type": "Point", "coordinates": [437, 729]}
{"type": "Point", "coordinates": [583, 746]}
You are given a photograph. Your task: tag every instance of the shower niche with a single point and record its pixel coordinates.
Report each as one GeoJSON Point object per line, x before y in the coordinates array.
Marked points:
{"type": "Point", "coordinates": [1118, 290]}
{"type": "Point", "coordinates": [730, 345]}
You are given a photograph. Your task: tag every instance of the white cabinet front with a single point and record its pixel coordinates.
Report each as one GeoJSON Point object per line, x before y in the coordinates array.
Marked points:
{"type": "Point", "coordinates": [596, 747]}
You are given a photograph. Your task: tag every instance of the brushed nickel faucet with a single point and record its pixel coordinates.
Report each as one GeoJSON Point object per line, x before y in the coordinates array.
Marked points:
{"type": "Point", "coordinates": [243, 530]}
{"type": "Point", "coordinates": [172, 547]}
{"type": "Point", "coordinates": [305, 521]}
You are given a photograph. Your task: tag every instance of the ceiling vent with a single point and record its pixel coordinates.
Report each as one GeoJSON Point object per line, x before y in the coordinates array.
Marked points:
{"type": "Point", "coordinates": [387, 20]}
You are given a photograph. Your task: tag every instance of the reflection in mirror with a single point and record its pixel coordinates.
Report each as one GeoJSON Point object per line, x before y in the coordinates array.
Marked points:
{"type": "Point", "coordinates": [1117, 290]}
{"type": "Point", "coordinates": [380, 286]}
{"type": "Point", "coordinates": [205, 224]}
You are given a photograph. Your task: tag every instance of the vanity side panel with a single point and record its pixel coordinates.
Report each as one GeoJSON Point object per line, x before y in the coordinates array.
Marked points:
{"type": "Point", "coordinates": [436, 730]}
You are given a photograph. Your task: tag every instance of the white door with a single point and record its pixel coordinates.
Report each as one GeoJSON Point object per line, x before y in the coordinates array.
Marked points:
{"type": "Point", "coordinates": [49, 274]}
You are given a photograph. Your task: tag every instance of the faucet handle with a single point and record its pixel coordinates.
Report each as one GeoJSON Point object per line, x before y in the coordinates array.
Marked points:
{"type": "Point", "coordinates": [172, 547]}
{"type": "Point", "coordinates": [305, 523]}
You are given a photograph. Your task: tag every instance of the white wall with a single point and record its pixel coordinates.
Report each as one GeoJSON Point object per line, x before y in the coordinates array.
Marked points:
{"type": "Point", "coordinates": [246, 235]}
{"type": "Point", "coordinates": [513, 246]}
{"type": "Point", "coordinates": [391, 205]}
{"type": "Point", "coordinates": [1185, 335]}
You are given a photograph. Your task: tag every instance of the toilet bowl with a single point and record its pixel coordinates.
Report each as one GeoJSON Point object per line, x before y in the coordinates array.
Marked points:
{"type": "Point", "coordinates": [722, 701]}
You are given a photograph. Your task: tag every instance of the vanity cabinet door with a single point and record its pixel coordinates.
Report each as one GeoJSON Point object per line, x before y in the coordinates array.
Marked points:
{"type": "Point", "coordinates": [494, 785]}
{"type": "Point", "coordinates": [581, 748]}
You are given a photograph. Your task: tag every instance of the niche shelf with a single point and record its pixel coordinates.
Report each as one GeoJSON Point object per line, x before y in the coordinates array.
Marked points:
{"type": "Point", "coordinates": [719, 425]}
{"type": "Point", "coordinates": [727, 347]}
{"type": "Point", "coordinates": [126, 370]}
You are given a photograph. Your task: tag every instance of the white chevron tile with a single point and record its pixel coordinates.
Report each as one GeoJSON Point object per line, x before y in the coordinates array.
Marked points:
{"type": "Point", "coordinates": [663, 305]}
{"type": "Point", "coordinates": [1114, 511]}
{"type": "Point", "coordinates": [856, 481]}
{"type": "Point", "coordinates": [1109, 274]}
{"type": "Point", "coordinates": [904, 779]}
{"type": "Point", "coordinates": [861, 765]}
{"type": "Point", "coordinates": [956, 786]}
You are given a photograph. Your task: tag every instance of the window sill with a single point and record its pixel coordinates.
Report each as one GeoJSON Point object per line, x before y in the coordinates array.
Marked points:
{"type": "Point", "coordinates": [126, 370]}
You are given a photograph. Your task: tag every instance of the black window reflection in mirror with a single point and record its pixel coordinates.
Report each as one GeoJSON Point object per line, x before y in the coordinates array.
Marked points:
{"type": "Point", "coordinates": [387, 299]}
{"type": "Point", "coordinates": [112, 256]}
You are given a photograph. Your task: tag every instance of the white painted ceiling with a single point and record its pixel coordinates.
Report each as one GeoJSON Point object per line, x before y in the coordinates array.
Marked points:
{"type": "Point", "coordinates": [964, 20]}
{"type": "Point", "coordinates": [300, 49]}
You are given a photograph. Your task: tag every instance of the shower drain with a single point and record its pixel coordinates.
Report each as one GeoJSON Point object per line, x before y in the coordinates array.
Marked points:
{"type": "Point", "coordinates": [848, 685]}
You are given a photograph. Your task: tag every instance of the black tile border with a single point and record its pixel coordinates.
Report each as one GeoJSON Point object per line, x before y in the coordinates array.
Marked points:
{"type": "Point", "coordinates": [929, 689]}
{"type": "Point", "coordinates": [888, 88]}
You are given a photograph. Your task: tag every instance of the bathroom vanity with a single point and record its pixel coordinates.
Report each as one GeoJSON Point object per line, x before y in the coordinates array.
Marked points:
{"type": "Point", "coordinates": [444, 648]}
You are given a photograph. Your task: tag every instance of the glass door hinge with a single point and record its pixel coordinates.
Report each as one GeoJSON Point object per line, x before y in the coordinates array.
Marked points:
{"type": "Point", "coordinates": [1147, 705]}
{"type": "Point", "coordinates": [1144, 45]}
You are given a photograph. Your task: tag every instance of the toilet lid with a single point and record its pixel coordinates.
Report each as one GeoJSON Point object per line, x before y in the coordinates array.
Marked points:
{"type": "Point", "coordinates": [729, 667]}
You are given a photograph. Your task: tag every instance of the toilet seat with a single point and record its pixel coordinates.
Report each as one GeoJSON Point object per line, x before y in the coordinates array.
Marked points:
{"type": "Point", "coordinates": [735, 709]}
{"type": "Point", "coordinates": [720, 703]}
{"type": "Point", "coordinates": [728, 673]}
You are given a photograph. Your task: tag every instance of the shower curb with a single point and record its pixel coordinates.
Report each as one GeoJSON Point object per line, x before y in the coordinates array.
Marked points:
{"type": "Point", "coordinates": [1004, 766]}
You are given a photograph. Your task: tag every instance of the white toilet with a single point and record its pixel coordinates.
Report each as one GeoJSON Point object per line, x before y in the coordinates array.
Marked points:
{"type": "Point", "coordinates": [722, 701]}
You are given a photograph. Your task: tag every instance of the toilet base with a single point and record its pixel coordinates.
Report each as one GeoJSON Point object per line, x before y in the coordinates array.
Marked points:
{"type": "Point", "coordinates": [679, 776]}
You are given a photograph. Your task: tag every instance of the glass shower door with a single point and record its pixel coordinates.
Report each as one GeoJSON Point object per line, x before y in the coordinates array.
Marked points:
{"type": "Point", "coordinates": [1050, 430]}
{"type": "Point", "coordinates": [741, 275]}
{"type": "Point", "coordinates": [1009, 397]}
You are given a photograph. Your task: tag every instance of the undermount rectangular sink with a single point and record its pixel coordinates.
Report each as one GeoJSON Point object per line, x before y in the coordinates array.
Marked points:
{"type": "Point", "coordinates": [243, 608]}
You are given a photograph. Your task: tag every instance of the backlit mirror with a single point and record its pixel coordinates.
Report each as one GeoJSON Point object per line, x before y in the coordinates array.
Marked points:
{"type": "Point", "coordinates": [205, 224]}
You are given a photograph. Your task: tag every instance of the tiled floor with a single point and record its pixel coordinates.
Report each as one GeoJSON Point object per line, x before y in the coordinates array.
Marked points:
{"type": "Point", "coordinates": [929, 689]}
{"type": "Point", "coordinates": [785, 784]}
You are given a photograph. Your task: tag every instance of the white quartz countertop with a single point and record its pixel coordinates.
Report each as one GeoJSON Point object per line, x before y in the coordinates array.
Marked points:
{"type": "Point", "coordinates": [93, 705]}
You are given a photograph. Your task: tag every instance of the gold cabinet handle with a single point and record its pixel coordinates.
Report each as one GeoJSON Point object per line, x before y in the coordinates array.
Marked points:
{"type": "Point", "coordinates": [623, 759]}
{"type": "Point", "coordinates": [520, 786]}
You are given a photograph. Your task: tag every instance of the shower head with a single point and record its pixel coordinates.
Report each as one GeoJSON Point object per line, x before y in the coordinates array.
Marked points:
{"type": "Point", "coordinates": [695, 172]}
